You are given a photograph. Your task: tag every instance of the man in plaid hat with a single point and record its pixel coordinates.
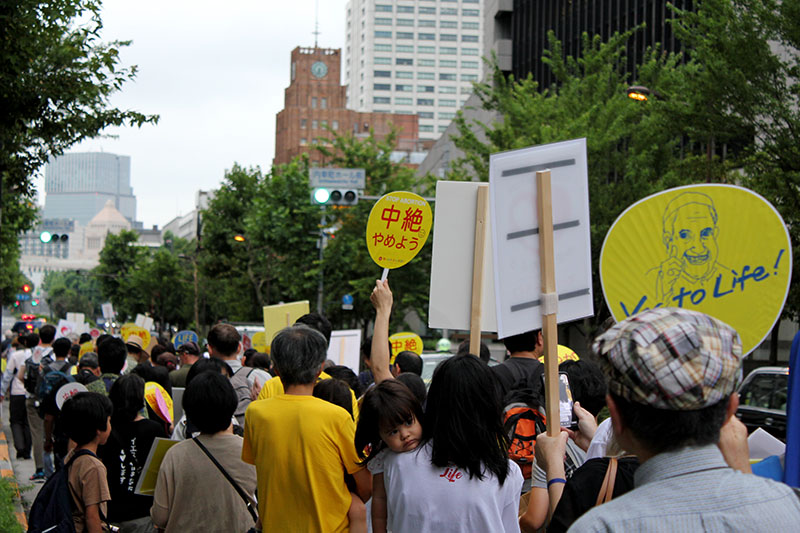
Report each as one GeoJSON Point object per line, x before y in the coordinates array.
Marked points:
{"type": "Point", "coordinates": [673, 375]}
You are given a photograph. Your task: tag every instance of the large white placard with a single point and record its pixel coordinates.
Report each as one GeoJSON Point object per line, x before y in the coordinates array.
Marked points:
{"type": "Point", "coordinates": [451, 265]}
{"type": "Point", "coordinates": [345, 348]}
{"type": "Point", "coordinates": [515, 227]}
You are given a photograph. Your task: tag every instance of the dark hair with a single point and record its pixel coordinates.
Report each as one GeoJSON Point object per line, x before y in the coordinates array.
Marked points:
{"type": "Point", "coordinates": [663, 430]}
{"type": "Point", "coordinates": [387, 404]}
{"type": "Point", "coordinates": [247, 355]}
{"type": "Point", "coordinates": [211, 364]}
{"type": "Point", "coordinates": [415, 385]}
{"type": "Point", "coordinates": [127, 395]}
{"type": "Point", "coordinates": [61, 347]}
{"type": "Point", "coordinates": [347, 375]}
{"type": "Point", "coordinates": [47, 333]}
{"type": "Point", "coordinates": [101, 339]}
{"type": "Point", "coordinates": [485, 354]}
{"type": "Point", "coordinates": [336, 392]}
{"type": "Point", "coordinates": [588, 384]}
{"type": "Point", "coordinates": [298, 353]}
{"type": "Point", "coordinates": [261, 360]}
{"type": "Point", "coordinates": [318, 322]}
{"type": "Point", "coordinates": [88, 360]}
{"type": "Point", "coordinates": [85, 337]}
{"type": "Point", "coordinates": [84, 415]}
{"type": "Point", "coordinates": [209, 402]}
{"type": "Point", "coordinates": [464, 419]}
{"type": "Point", "coordinates": [409, 362]}
{"type": "Point", "coordinates": [157, 350]}
{"type": "Point", "coordinates": [366, 348]}
{"type": "Point", "coordinates": [224, 339]}
{"type": "Point", "coordinates": [75, 351]}
{"type": "Point", "coordinates": [111, 354]}
{"type": "Point", "coordinates": [157, 374]}
{"type": "Point", "coordinates": [31, 340]}
{"type": "Point", "coordinates": [522, 342]}
{"type": "Point", "coordinates": [168, 361]}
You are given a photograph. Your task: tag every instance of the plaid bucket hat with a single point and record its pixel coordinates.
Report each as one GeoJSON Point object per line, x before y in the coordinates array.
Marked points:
{"type": "Point", "coordinates": [671, 358]}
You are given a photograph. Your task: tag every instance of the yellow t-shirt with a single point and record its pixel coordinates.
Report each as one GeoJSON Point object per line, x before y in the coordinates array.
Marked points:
{"type": "Point", "coordinates": [274, 387]}
{"type": "Point", "coordinates": [301, 447]}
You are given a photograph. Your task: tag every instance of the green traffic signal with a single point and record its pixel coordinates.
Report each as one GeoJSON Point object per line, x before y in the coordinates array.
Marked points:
{"type": "Point", "coordinates": [321, 196]}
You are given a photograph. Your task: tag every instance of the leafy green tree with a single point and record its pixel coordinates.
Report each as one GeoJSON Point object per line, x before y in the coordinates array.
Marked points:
{"type": "Point", "coordinates": [119, 258]}
{"type": "Point", "coordinates": [161, 287]}
{"type": "Point", "coordinates": [73, 292]}
{"type": "Point", "coordinates": [57, 78]}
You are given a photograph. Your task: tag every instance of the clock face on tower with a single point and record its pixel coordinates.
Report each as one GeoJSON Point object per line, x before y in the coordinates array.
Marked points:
{"type": "Point", "coordinates": [319, 69]}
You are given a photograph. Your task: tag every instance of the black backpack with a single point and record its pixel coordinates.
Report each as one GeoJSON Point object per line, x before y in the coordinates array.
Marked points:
{"type": "Point", "coordinates": [52, 509]}
{"type": "Point", "coordinates": [31, 379]}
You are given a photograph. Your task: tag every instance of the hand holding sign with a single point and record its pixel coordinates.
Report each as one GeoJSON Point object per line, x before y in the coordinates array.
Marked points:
{"type": "Point", "coordinates": [398, 227]}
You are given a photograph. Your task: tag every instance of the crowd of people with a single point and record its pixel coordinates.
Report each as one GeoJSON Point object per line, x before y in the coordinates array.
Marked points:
{"type": "Point", "coordinates": [292, 442]}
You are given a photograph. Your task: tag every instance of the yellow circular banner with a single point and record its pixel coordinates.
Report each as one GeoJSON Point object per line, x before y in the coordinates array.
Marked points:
{"type": "Point", "coordinates": [130, 328]}
{"type": "Point", "coordinates": [564, 354]}
{"type": "Point", "coordinates": [159, 401]}
{"type": "Point", "coordinates": [405, 341]}
{"type": "Point", "coordinates": [718, 249]}
{"type": "Point", "coordinates": [259, 341]}
{"type": "Point", "coordinates": [398, 227]}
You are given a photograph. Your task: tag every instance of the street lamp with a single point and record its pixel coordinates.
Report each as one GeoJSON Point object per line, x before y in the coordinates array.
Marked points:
{"type": "Point", "coordinates": [642, 93]}
{"type": "Point", "coordinates": [239, 237]}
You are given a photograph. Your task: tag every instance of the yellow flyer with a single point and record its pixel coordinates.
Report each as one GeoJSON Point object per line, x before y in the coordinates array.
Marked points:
{"type": "Point", "coordinates": [718, 249]}
{"type": "Point", "coordinates": [405, 341]}
{"type": "Point", "coordinates": [146, 486]}
{"type": "Point", "coordinates": [398, 226]}
{"type": "Point", "coordinates": [277, 317]}
{"type": "Point", "coordinates": [260, 342]}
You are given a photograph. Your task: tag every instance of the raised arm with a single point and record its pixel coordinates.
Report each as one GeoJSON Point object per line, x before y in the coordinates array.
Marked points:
{"type": "Point", "coordinates": [381, 299]}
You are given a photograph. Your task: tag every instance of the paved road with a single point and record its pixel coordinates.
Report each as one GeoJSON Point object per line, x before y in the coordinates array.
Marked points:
{"type": "Point", "coordinates": [23, 468]}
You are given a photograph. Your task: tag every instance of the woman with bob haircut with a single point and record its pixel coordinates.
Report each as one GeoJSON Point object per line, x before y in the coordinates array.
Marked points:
{"type": "Point", "coordinates": [189, 481]}
{"type": "Point", "coordinates": [462, 457]}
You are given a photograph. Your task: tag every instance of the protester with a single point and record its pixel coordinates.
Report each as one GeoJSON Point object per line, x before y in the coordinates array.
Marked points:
{"type": "Point", "coordinates": [189, 353]}
{"type": "Point", "coordinates": [260, 363]}
{"type": "Point", "coordinates": [87, 419]}
{"type": "Point", "coordinates": [169, 361]}
{"type": "Point", "coordinates": [111, 354]}
{"type": "Point", "coordinates": [347, 375]}
{"type": "Point", "coordinates": [407, 361]}
{"type": "Point", "coordinates": [125, 453]}
{"type": "Point", "coordinates": [41, 352]}
{"type": "Point", "coordinates": [224, 343]}
{"type": "Point", "coordinates": [522, 369]}
{"type": "Point", "coordinates": [673, 375]}
{"type": "Point", "coordinates": [587, 383]}
{"type": "Point", "coordinates": [184, 428]}
{"type": "Point", "coordinates": [485, 355]}
{"type": "Point", "coordinates": [137, 353]}
{"type": "Point", "coordinates": [54, 376]}
{"type": "Point", "coordinates": [88, 369]}
{"type": "Point", "coordinates": [415, 385]}
{"type": "Point", "coordinates": [20, 430]}
{"type": "Point", "coordinates": [287, 433]}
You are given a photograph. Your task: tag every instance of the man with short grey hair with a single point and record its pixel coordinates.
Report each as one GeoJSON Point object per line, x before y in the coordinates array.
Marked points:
{"type": "Point", "coordinates": [673, 375]}
{"type": "Point", "coordinates": [301, 445]}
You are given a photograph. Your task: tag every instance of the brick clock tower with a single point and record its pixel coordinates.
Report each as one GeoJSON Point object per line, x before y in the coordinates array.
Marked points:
{"type": "Point", "coordinates": [315, 101]}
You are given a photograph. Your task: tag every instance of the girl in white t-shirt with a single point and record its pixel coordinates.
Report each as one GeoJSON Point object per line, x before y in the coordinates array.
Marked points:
{"type": "Point", "coordinates": [459, 478]}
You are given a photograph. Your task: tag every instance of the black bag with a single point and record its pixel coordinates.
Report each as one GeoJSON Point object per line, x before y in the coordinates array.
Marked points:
{"type": "Point", "coordinates": [52, 509]}
{"type": "Point", "coordinates": [31, 379]}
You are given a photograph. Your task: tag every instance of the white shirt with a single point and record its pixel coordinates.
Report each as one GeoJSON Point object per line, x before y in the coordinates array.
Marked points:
{"type": "Point", "coordinates": [597, 448]}
{"type": "Point", "coordinates": [16, 361]}
{"type": "Point", "coordinates": [422, 498]}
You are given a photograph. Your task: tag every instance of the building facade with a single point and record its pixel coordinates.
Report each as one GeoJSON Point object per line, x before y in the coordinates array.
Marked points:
{"type": "Point", "coordinates": [79, 185]}
{"type": "Point", "coordinates": [413, 57]}
{"type": "Point", "coordinates": [314, 109]}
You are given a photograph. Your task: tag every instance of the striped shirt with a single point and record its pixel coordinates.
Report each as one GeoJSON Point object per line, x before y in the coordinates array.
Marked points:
{"type": "Point", "coordinates": [691, 490]}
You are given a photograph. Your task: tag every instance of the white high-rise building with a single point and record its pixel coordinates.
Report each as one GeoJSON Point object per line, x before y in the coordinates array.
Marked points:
{"type": "Point", "coordinates": [413, 57]}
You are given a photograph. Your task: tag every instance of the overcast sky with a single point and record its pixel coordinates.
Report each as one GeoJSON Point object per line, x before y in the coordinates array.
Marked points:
{"type": "Point", "coordinates": [215, 72]}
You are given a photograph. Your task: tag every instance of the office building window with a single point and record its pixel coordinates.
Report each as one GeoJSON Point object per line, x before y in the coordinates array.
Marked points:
{"type": "Point", "coordinates": [425, 88]}
{"type": "Point", "coordinates": [404, 88]}
{"type": "Point", "coordinates": [313, 102]}
{"type": "Point", "coordinates": [303, 123]}
{"type": "Point", "coordinates": [424, 128]}
{"type": "Point", "coordinates": [427, 10]}
{"type": "Point", "coordinates": [446, 102]}
{"type": "Point", "coordinates": [383, 7]}
{"type": "Point", "coordinates": [426, 36]}
{"type": "Point", "coordinates": [335, 124]}
{"type": "Point", "coordinates": [382, 73]}
{"type": "Point", "coordinates": [323, 103]}
{"type": "Point", "coordinates": [381, 21]}
{"type": "Point", "coordinates": [324, 124]}
{"type": "Point", "coordinates": [447, 63]}
{"type": "Point", "coordinates": [466, 89]}
{"type": "Point", "coordinates": [382, 48]}
{"type": "Point", "coordinates": [425, 114]}
{"type": "Point", "coordinates": [447, 89]}
{"type": "Point", "coordinates": [426, 23]}
{"type": "Point", "coordinates": [471, 12]}
{"type": "Point", "coordinates": [469, 38]}
{"type": "Point", "coordinates": [469, 77]}
{"type": "Point", "coordinates": [426, 76]}
{"type": "Point", "coordinates": [403, 61]}
{"type": "Point", "coordinates": [469, 51]}
{"type": "Point", "coordinates": [403, 75]}
{"type": "Point", "coordinates": [381, 100]}
{"type": "Point", "coordinates": [383, 60]}
{"type": "Point", "coordinates": [403, 101]}
{"type": "Point", "coordinates": [424, 101]}
{"type": "Point", "coordinates": [447, 77]}
{"type": "Point", "coordinates": [405, 9]}
{"type": "Point", "coordinates": [469, 64]}
{"type": "Point", "coordinates": [447, 116]}
{"type": "Point", "coordinates": [448, 37]}
{"type": "Point", "coordinates": [382, 87]}
{"type": "Point", "coordinates": [405, 22]}
{"type": "Point", "coordinates": [448, 24]}
{"type": "Point", "coordinates": [426, 62]}
{"type": "Point", "coordinates": [405, 48]}
{"type": "Point", "coordinates": [448, 50]}
{"type": "Point", "coordinates": [470, 25]}
{"type": "Point", "coordinates": [426, 49]}
{"type": "Point", "coordinates": [383, 35]}
{"type": "Point", "coordinates": [314, 124]}
{"type": "Point", "coordinates": [404, 35]}
{"type": "Point", "coordinates": [448, 11]}
{"type": "Point", "coordinates": [442, 129]}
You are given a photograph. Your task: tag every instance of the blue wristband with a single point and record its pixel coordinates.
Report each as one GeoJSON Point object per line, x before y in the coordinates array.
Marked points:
{"type": "Point", "coordinates": [556, 480]}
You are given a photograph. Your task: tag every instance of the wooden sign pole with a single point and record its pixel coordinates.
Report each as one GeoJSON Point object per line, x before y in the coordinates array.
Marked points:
{"type": "Point", "coordinates": [481, 214]}
{"type": "Point", "coordinates": [549, 301]}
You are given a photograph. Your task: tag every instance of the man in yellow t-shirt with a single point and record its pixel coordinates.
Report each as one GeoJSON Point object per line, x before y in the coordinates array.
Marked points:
{"type": "Point", "coordinates": [302, 446]}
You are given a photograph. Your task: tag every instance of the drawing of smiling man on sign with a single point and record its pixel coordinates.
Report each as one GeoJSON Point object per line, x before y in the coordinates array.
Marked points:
{"type": "Point", "coordinates": [689, 233]}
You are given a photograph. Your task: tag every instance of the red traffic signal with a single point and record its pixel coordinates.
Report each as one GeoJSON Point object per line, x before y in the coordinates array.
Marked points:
{"type": "Point", "coordinates": [26, 288]}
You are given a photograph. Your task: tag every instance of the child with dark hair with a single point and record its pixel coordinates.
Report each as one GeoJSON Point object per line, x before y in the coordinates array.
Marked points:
{"type": "Point", "coordinates": [336, 392]}
{"type": "Point", "coordinates": [125, 453]}
{"type": "Point", "coordinates": [416, 385]}
{"type": "Point", "coordinates": [87, 421]}
{"type": "Point", "coordinates": [347, 375]}
{"type": "Point", "coordinates": [188, 481]}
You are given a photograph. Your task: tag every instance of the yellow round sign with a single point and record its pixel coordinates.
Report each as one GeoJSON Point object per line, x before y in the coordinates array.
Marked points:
{"type": "Point", "coordinates": [398, 227]}
{"type": "Point", "coordinates": [86, 347]}
{"type": "Point", "coordinates": [260, 341]}
{"type": "Point", "coordinates": [132, 329]}
{"type": "Point", "coordinates": [405, 341]}
{"type": "Point", "coordinates": [159, 400]}
{"type": "Point", "coordinates": [564, 354]}
{"type": "Point", "coordinates": [718, 249]}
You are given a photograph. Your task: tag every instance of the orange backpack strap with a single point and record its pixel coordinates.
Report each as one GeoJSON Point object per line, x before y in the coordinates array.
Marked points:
{"type": "Point", "coordinates": [607, 488]}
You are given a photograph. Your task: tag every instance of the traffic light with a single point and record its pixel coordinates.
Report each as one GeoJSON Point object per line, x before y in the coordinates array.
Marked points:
{"type": "Point", "coordinates": [35, 302]}
{"type": "Point", "coordinates": [26, 288]}
{"type": "Point", "coordinates": [46, 237]}
{"type": "Point", "coordinates": [16, 303]}
{"type": "Point", "coordinates": [326, 196]}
